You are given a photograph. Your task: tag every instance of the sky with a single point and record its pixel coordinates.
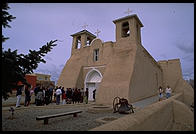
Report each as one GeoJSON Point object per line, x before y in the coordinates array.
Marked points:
{"type": "Point", "coordinates": [168, 31]}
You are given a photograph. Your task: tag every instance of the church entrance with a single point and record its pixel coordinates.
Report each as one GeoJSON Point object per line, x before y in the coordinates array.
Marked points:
{"type": "Point", "coordinates": [92, 80]}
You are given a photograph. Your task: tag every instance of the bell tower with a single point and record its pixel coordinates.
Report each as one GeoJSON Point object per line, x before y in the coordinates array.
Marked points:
{"type": "Point", "coordinates": [81, 40]}
{"type": "Point", "coordinates": [128, 27]}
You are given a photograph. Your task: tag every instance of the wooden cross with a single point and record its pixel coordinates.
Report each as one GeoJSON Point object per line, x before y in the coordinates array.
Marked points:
{"type": "Point", "coordinates": [84, 26]}
{"type": "Point", "coordinates": [97, 32]}
{"type": "Point", "coordinates": [128, 11]}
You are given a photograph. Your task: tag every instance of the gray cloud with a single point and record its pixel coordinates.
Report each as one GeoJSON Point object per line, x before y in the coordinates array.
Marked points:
{"type": "Point", "coordinates": [188, 71]}
{"type": "Point", "coordinates": [54, 71]}
{"type": "Point", "coordinates": [189, 57]}
{"type": "Point", "coordinates": [185, 47]}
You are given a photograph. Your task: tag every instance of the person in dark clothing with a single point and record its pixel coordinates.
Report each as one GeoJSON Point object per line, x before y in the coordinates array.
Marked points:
{"type": "Point", "coordinates": [94, 92]}
{"type": "Point", "coordinates": [51, 93]}
{"type": "Point", "coordinates": [39, 97]}
{"type": "Point", "coordinates": [86, 96]}
{"type": "Point", "coordinates": [27, 95]}
{"type": "Point", "coordinates": [35, 92]}
{"type": "Point", "coordinates": [55, 94]}
{"type": "Point", "coordinates": [68, 95]}
{"type": "Point", "coordinates": [63, 96]}
{"type": "Point", "coordinates": [82, 95]}
{"type": "Point", "coordinates": [79, 96]}
{"type": "Point", "coordinates": [47, 96]}
{"type": "Point", "coordinates": [43, 92]}
{"type": "Point", "coordinates": [62, 91]}
{"type": "Point", "coordinates": [71, 93]}
{"type": "Point", "coordinates": [74, 96]}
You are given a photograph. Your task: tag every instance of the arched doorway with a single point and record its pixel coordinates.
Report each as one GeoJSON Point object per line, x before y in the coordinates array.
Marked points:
{"type": "Point", "coordinates": [92, 81]}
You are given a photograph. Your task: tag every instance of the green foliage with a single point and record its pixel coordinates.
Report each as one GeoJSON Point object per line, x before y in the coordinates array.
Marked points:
{"type": "Point", "coordinates": [15, 66]}
{"type": "Point", "coordinates": [5, 18]}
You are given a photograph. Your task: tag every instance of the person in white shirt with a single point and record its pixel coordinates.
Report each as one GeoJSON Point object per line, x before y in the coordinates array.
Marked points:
{"type": "Point", "coordinates": [19, 89]}
{"type": "Point", "coordinates": [168, 92]}
{"type": "Point", "coordinates": [58, 93]}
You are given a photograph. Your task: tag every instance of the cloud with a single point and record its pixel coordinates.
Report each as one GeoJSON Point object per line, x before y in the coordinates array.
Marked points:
{"type": "Point", "coordinates": [185, 47]}
{"type": "Point", "coordinates": [188, 71]}
{"type": "Point", "coordinates": [189, 57]}
{"type": "Point", "coordinates": [51, 69]}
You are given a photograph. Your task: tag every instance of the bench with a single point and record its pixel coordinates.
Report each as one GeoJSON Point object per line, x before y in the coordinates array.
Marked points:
{"type": "Point", "coordinates": [46, 117]}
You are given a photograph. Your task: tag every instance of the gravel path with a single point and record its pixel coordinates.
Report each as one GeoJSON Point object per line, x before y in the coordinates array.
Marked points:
{"type": "Point", "coordinates": [25, 118]}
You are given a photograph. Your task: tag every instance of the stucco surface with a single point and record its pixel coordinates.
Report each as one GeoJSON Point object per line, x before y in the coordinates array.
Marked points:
{"type": "Point", "coordinates": [160, 116]}
{"type": "Point", "coordinates": [172, 72]}
{"type": "Point", "coordinates": [146, 77]}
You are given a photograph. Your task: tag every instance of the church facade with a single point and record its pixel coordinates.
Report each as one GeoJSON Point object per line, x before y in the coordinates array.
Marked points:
{"type": "Point", "coordinates": [122, 68]}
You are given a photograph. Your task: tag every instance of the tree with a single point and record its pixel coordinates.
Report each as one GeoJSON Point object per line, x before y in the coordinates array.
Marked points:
{"type": "Point", "coordinates": [5, 18]}
{"type": "Point", "coordinates": [15, 66]}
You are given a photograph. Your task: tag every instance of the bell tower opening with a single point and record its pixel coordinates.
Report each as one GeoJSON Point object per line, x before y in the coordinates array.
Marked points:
{"type": "Point", "coordinates": [78, 42]}
{"type": "Point", "coordinates": [81, 40]}
{"type": "Point", "coordinates": [125, 29]}
{"type": "Point", "coordinates": [128, 27]}
{"type": "Point", "coordinates": [88, 41]}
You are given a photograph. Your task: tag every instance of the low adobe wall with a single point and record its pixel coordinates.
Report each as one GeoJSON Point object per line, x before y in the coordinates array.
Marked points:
{"type": "Point", "coordinates": [160, 116]}
{"type": "Point", "coordinates": [187, 90]}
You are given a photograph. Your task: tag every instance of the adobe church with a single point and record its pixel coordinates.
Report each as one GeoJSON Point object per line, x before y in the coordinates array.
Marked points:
{"type": "Point", "coordinates": [123, 68]}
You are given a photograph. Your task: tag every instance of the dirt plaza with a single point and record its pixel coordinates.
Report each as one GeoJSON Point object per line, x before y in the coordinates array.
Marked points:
{"type": "Point", "coordinates": [92, 115]}
{"type": "Point", "coordinates": [25, 117]}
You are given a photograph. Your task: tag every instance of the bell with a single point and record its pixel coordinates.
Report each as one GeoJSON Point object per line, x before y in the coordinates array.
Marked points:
{"type": "Point", "coordinates": [124, 108]}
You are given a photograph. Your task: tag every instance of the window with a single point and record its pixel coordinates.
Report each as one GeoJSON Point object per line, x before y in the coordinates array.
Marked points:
{"type": "Point", "coordinates": [125, 29]}
{"type": "Point", "coordinates": [96, 54]}
{"type": "Point", "coordinates": [78, 42]}
{"type": "Point", "coordinates": [39, 78]}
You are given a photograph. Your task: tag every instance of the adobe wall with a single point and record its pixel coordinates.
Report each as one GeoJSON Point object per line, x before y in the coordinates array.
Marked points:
{"type": "Point", "coordinates": [172, 72]}
{"type": "Point", "coordinates": [117, 74]}
{"type": "Point", "coordinates": [146, 78]}
{"type": "Point", "coordinates": [188, 91]}
{"type": "Point", "coordinates": [115, 62]}
{"type": "Point", "coordinates": [172, 76]}
{"type": "Point", "coordinates": [76, 68]}
{"type": "Point", "coordinates": [69, 75]}
{"type": "Point", "coordinates": [165, 115]}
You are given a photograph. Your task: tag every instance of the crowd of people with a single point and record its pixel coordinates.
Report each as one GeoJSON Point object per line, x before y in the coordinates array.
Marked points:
{"type": "Point", "coordinates": [49, 94]}
{"type": "Point", "coordinates": [70, 95]}
{"type": "Point", "coordinates": [43, 95]}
